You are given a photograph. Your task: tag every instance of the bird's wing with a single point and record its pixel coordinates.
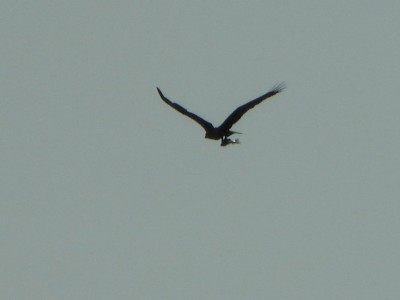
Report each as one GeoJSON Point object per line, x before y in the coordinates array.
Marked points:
{"type": "Point", "coordinates": [206, 125]}
{"type": "Point", "coordinates": [241, 110]}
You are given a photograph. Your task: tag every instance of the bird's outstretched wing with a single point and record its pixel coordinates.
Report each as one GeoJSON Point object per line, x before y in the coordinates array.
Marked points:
{"type": "Point", "coordinates": [241, 110]}
{"type": "Point", "coordinates": [206, 125]}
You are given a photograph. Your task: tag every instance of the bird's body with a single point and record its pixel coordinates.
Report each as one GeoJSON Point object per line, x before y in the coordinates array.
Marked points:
{"type": "Point", "coordinates": [223, 131]}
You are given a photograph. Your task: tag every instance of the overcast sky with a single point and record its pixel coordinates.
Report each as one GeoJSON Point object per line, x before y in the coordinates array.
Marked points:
{"type": "Point", "coordinates": [108, 193]}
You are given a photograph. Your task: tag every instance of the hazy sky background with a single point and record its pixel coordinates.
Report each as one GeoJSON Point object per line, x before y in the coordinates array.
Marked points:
{"type": "Point", "coordinates": [108, 193]}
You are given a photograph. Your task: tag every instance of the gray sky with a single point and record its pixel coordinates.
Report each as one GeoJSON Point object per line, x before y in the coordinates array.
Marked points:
{"type": "Point", "coordinates": [108, 193]}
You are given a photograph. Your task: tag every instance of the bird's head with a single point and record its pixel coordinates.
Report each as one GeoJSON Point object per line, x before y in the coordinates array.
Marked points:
{"type": "Point", "coordinates": [210, 135]}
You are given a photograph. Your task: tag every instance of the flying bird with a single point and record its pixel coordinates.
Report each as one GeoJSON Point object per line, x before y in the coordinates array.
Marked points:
{"type": "Point", "coordinates": [223, 131]}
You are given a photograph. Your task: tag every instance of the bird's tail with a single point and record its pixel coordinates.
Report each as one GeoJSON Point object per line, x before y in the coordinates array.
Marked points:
{"type": "Point", "coordinates": [233, 132]}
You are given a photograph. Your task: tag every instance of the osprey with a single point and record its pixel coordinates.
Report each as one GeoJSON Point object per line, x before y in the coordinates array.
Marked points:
{"type": "Point", "coordinates": [223, 131]}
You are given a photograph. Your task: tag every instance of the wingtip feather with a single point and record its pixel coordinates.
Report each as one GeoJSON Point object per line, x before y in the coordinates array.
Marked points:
{"type": "Point", "coordinates": [279, 87]}
{"type": "Point", "coordinates": [160, 93]}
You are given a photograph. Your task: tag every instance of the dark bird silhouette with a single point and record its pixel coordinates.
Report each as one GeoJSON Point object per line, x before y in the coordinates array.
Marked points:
{"type": "Point", "coordinates": [223, 131]}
